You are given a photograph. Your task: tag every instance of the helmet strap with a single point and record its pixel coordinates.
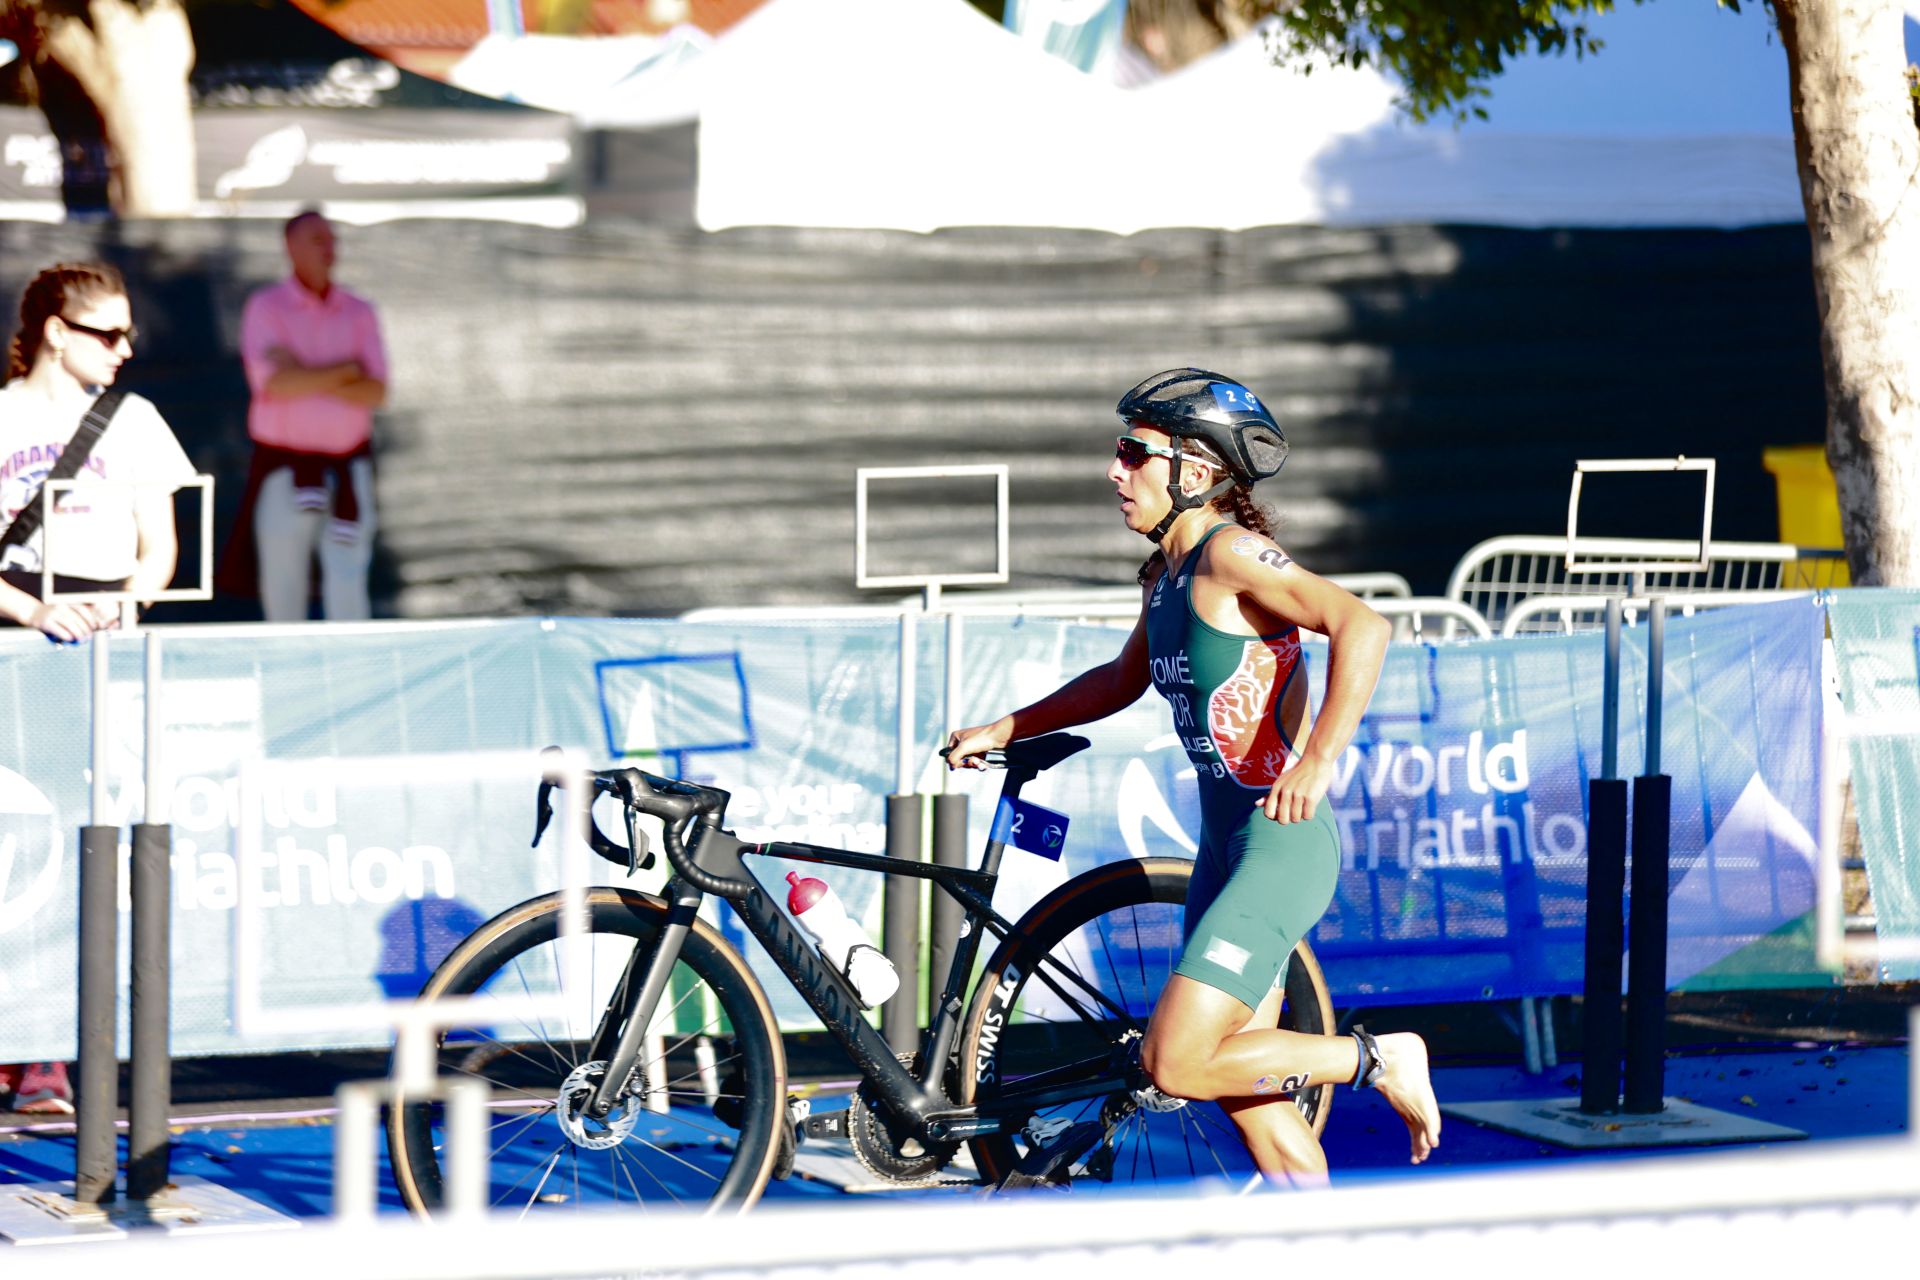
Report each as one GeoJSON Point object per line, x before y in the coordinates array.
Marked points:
{"type": "Point", "coordinates": [1183, 502]}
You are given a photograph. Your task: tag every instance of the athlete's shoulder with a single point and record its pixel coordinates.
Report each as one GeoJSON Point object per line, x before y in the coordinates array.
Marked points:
{"type": "Point", "coordinates": [1241, 554]}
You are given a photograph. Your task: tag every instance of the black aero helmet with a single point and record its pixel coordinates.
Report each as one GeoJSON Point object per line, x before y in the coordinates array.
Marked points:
{"type": "Point", "coordinates": [1194, 404]}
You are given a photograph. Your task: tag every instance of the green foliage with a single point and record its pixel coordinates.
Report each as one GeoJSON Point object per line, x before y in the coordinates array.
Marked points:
{"type": "Point", "coordinates": [1443, 52]}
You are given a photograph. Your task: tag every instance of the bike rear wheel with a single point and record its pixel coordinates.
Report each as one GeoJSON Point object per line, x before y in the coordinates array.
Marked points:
{"type": "Point", "coordinates": [1120, 930]}
{"type": "Point", "coordinates": [699, 1125]}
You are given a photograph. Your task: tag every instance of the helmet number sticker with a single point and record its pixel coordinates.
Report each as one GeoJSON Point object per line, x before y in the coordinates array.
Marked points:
{"type": "Point", "coordinates": [1235, 398]}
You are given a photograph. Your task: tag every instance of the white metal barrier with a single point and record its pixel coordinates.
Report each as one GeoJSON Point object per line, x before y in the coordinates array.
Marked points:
{"type": "Point", "coordinates": [1499, 574]}
{"type": "Point", "coordinates": [1771, 1211]}
{"type": "Point", "coordinates": [1566, 614]}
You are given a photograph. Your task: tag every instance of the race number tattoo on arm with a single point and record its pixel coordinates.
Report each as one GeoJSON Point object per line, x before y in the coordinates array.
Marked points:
{"type": "Point", "coordinates": [1248, 545]}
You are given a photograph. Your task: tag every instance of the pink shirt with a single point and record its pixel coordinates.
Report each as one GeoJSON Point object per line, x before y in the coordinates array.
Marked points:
{"type": "Point", "coordinates": [315, 332]}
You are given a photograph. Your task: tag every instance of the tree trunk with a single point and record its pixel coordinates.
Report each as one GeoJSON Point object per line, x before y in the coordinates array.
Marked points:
{"type": "Point", "coordinates": [1859, 160]}
{"type": "Point", "coordinates": [132, 57]}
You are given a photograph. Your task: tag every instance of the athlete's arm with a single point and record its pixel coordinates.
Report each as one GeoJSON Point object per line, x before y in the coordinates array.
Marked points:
{"type": "Point", "coordinates": [1091, 695]}
{"type": "Point", "coordinates": [1357, 645]}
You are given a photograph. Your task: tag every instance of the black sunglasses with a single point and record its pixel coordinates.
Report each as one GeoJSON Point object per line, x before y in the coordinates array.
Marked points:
{"type": "Point", "coordinates": [1133, 453]}
{"type": "Point", "coordinates": [112, 337]}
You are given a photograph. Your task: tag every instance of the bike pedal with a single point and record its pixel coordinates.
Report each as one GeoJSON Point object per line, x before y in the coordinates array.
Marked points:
{"type": "Point", "coordinates": [1047, 1166]}
{"type": "Point", "coordinates": [831, 1124]}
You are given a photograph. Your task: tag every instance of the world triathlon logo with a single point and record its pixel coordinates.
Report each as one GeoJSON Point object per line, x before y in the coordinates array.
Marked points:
{"type": "Point", "coordinates": [31, 850]}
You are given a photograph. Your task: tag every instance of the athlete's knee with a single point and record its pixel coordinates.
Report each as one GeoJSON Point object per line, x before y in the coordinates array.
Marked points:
{"type": "Point", "coordinates": [1174, 1064]}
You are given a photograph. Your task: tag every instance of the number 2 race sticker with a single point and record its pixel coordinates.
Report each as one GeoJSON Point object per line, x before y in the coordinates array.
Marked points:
{"type": "Point", "coordinates": [1032, 827]}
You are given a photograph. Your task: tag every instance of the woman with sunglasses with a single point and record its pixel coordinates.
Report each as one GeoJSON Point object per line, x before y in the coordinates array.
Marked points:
{"type": "Point", "coordinates": [1218, 637]}
{"type": "Point", "coordinates": [76, 330]}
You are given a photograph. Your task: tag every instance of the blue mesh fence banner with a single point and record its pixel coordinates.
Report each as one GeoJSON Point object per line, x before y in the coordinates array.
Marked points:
{"type": "Point", "coordinates": [1876, 642]}
{"type": "Point", "coordinates": [1461, 801]}
{"type": "Point", "coordinates": [1462, 804]}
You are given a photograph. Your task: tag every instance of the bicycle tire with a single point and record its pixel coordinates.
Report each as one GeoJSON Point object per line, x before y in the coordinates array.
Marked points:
{"type": "Point", "coordinates": [1135, 911]}
{"type": "Point", "coordinates": [688, 1154]}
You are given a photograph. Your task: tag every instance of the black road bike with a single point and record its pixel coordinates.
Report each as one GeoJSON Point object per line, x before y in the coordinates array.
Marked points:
{"type": "Point", "coordinates": [666, 1080]}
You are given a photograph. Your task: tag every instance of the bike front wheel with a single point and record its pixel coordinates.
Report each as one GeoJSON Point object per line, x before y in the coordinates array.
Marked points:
{"type": "Point", "coordinates": [698, 1121]}
{"type": "Point", "coordinates": [1117, 930]}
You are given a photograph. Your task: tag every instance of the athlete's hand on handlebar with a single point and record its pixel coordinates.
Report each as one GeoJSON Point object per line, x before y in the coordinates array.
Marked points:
{"type": "Point", "coordinates": [966, 747]}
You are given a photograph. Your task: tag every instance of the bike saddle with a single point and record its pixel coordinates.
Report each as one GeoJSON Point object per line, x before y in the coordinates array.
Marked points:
{"type": "Point", "coordinates": [1043, 753]}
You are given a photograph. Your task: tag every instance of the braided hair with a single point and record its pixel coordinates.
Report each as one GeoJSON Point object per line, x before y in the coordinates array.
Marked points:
{"type": "Point", "coordinates": [1237, 504]}
{"type": "Point", "coordinates": [51, 293]}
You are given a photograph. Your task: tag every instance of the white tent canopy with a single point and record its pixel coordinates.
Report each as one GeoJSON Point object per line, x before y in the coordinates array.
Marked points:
{"type": "Point", "coordinates": [918, 114]}
{"type": "Point", "coordinates": [628, 81]}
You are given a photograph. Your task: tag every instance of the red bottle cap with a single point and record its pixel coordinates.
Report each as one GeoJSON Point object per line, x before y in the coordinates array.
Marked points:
{"type": "Point", "coordinates": [804, 892]}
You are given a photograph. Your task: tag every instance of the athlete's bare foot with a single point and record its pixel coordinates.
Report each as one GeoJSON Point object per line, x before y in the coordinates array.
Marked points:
{"type": "Point", "coordinates": [1406, 1085]}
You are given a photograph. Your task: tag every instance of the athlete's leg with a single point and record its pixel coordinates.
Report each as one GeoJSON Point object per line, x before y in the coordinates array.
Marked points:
{"type": "Point", "coordinates": [1196, 1048]}
{"type": "Point", "coordinates": [1278, 1137]}
{"type": "Point", "coordinates": [1198, 1044]}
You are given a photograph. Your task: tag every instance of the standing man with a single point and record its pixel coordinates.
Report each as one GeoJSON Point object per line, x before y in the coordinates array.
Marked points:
{"type": "Point", "coordinates": [317, 370]}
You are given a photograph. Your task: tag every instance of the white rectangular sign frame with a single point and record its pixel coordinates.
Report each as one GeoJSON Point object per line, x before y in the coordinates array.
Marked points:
{"type": "Point", "coordinates": [1002, 559]}
{"type": "Point", "coordinates": [204, 591]}
{"type": "Point", "coordinates": [1697, 564]}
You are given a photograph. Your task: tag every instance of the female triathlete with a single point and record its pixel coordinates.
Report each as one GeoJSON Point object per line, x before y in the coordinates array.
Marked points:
{"type": "Point", "coordinates": [1218, 637]}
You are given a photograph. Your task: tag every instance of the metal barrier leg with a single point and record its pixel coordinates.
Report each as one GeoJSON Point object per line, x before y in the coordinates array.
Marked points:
{"type": "Point", "coordinates": [900, 1015]}
{"type": "Point", "coordinates": [944, 913]}
{"type": "Point", "coordinates": [1601, 1032]}
{"type": "Point", "coordinates": [354, 1171]}
{"type": "Point", "coordinates": [1647, 948]}
{"type": "Point", "coordinates": [148, 1150]}
{"type": "Point", "coordinates": [1549, 1050]}
{"type": "Point", "coordinates": [96, 1167]}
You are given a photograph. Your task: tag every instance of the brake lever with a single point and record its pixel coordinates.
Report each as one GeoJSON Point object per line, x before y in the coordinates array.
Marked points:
{"type": "Point", "coordinates": [639, 856]}
{"type": "Point", "coordinates": [542, 812]}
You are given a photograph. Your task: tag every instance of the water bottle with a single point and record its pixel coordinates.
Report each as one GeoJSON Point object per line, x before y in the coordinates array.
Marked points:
{"type": "Point", "coordinates": [824, 919]}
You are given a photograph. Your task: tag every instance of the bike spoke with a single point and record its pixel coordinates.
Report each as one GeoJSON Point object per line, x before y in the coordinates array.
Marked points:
{"type": "Point", "coordinates": [545, 1173]}
{"type": "Point", "coordinates": [524, 1123]}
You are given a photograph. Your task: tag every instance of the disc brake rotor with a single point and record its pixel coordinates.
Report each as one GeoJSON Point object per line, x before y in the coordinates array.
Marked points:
{"type": "Point", "coordinates": [583, 1130]}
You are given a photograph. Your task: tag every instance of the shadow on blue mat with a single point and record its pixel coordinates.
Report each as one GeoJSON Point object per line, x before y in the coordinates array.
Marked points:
{"type": "Point", "coordinates": [1828, 1093]}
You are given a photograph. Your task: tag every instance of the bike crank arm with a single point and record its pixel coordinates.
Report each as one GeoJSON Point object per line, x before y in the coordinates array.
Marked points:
{"type": "Point", "coordinates": [1012, 1114]}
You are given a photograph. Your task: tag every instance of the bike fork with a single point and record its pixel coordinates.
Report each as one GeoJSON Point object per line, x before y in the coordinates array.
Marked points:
{"type": "Point", "coordinates": [643, 983]}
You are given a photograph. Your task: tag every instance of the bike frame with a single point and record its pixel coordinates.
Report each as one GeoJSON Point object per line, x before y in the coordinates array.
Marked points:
{"type": "Point", "coordinates": [921, 1102]}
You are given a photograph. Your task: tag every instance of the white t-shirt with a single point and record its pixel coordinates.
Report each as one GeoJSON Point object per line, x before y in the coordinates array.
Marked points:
{"type": "Point", "coordinates": [94, 535]}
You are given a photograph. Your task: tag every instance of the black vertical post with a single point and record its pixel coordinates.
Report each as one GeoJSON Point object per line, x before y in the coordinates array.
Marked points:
{"type": "Point", "coordinates": [1647, 957]}
{"type": "Point", "coordinates": [949, 850]}
{"type": "Point", "coordinates": [900, 914]}
{"type": "Point", "coordinates": [97, 1094]}
{"type": "Point", "coordinates": [148, 1152]}
{"type": "Point", "coordinates": [1601, 1032]}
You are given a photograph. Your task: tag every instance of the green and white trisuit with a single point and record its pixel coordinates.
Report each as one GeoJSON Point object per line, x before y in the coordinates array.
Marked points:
{"type": "Point", "coordinates": [1258, 886]}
